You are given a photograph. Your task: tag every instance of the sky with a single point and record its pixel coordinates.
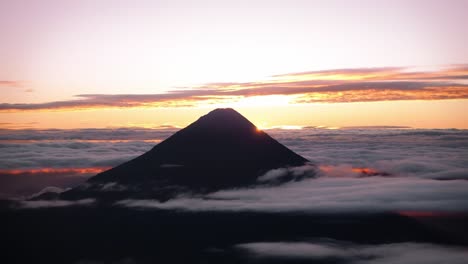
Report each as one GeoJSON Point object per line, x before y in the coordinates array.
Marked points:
{"type": "Point", "coordinates": [96, 64]}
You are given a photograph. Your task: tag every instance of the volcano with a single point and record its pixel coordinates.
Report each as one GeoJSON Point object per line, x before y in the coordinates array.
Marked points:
{"type": "Point", "coordinates": [220, 150]}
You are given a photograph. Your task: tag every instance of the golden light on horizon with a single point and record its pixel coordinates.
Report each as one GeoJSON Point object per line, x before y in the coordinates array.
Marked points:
{"type": "Point", "coordinates": [70, 171]}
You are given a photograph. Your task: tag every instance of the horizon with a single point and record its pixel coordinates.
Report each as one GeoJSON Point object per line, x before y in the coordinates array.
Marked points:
{"type": "Point", "coordinates": [262, 125]}
{"type": "Point", "coordinates": [276, 127]}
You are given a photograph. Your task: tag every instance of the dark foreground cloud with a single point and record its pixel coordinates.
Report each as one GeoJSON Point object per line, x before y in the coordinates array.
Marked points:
{"type": "Point", "coordinates": [23, 184]}
{"type": "Point", "coordinates": [330, 86]}
{"type": "Point", "coordinates": [121, 261]}
{"type": "Point", "coordinates": [332, 251]}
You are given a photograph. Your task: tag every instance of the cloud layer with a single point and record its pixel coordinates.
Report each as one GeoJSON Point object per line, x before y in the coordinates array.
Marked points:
{"type": "Point", "coordinates": [426, 169]}
{"type": "Point", "coordinates": [332, 251]}
{"type": "Point", "coordinates": [421, 171]}
{"type": "Point", "coordinates": [330, 86]}
{"type": "Point", "coordinates": [436, 154]}
{"type": "Point", "coordinates": [330, 195]}
{"type": "Point", "coordinates": [33, 159]}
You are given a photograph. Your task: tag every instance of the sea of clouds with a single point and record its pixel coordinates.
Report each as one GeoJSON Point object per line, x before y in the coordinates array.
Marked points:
{"type": "Point", "coordinates": [425, 170]}
{"type": "Point", "coordinates": [420, 170]}
{"type": "Point", "coordinates": [25, 151]}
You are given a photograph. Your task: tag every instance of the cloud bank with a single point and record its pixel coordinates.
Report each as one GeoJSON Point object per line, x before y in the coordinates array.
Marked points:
{"type": "Point", "coordinates": [420, 170]}
{"type": "Point", "coordinates": [55, 203]}
{"type": "Point", "coordinates": [424, 153]}
{"type": "Point", "coordinates": [329, 195]}
{"type": "Point", "coordinates": [330, 86]}
{"type": "Point", "coordinates": [332, 251]}
{"type": "Point", "coordinates": [31, 160]}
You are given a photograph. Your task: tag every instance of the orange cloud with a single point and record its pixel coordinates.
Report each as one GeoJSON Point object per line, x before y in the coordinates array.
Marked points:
{"type": "Point", "coordinates": [53, 171]}
{"type": "Point", "coordinates": [342, 171]}
{"type": "Point", "coordinates": [11, 83]}
{"type": "Point", "coordinates": [330, 86]}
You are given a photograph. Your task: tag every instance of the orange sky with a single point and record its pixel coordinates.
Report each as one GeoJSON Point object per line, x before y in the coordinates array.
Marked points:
{"type": "Point", "coordinates": [72, 64]}
{"type": "Point", "coordinates": [435, 98]}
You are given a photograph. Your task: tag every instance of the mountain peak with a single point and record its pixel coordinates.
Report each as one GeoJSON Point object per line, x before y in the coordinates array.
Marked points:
{"type": "Point", "coordinates": [220, 150]}
{"type": "Point", "coordinates": [224, 119]}
{"type": "Point", "coordinates": [223, 111]}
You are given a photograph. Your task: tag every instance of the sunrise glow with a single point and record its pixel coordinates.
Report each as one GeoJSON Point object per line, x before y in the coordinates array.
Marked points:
{"type": "Point", "coordinates": [71, 64]}
{"type": "Point", "coordinates": [62, 171]}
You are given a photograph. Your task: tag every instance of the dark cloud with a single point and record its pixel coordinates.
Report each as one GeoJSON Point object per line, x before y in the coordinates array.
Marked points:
{"type": "Point", "coordinates": [343, 85]}
{"type": "Point", "coordinates": [100, 100]}
{"type": "Point", "coordinates": [402, 90]}
{"type": "Point", "coordinates": [332, 251]}
{"type": "Point", "coordinates": [122, 261]}
{"type": "Point", "coordinates": [23, 185]}
{"type": "Point", "coordinates": [55, 203]}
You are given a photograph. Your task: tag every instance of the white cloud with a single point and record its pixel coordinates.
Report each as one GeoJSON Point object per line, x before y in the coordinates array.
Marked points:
{"type": "Point", "coordinates": [273, 174]}
{"type": "Point", "coordinates": [425, 153]}
{"type": "Point", "coordinates": [55, 203]}
{"type": "Point", "coordinates": [330, 194]}
{"type": "Point", "coordinates": [49, 189]}
{"type": "Point", "coordinates": [414, 253]}
{"type": "Point", "coordinates": [112, 186]}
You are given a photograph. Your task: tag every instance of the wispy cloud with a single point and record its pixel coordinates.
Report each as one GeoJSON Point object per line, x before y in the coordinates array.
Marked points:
{"type": "Point", "coordinates": [330, 86]}
{"type": "Point", "coordinates": [333, 251]}
{"type": "Point", "coordinates": [6, 83]}
{"type": "Point", "coordinates": [56, 203]}
{"type": "Point", "coordinates": [329, 195]}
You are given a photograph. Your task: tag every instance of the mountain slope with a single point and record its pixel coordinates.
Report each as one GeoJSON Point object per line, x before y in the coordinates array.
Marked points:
{"type": "Point", "coordinates": [220, 150]}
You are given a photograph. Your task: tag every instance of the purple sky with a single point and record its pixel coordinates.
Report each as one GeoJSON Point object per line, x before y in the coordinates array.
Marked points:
{"type": "Point", "coordinates": [52, 50]}
{"type": "Point", "coordinates": [85, 45]}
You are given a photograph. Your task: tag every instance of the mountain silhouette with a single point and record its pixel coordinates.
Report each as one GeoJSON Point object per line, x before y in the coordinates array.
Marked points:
{"type": "Point", "coordinates": [220, 150]}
